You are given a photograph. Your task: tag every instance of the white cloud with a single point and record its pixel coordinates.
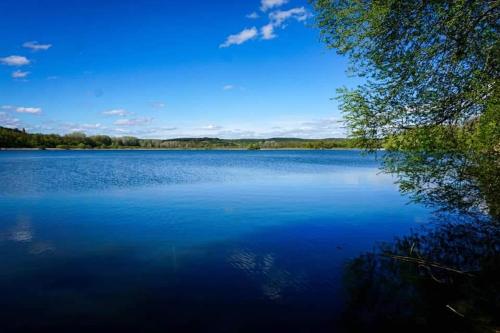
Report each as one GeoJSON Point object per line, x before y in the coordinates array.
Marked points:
{"type": "Point", "coordinates": [116, 112]}
{"type": "Point", "coordinates": [268, 4]}
{"type": "Point", "coordinates": [52, 126]}
{"type": "Point", "coordinates": [35, 46]}
{"type": "Point", "coordinates": [158, 105]}
{"type": "Point", "coordinates": [133, 122]}
{"type": "Point", "coordinates": [253, 16]}
{"type": "Point", "coordinates": [87, 128]}
{"type": "Point", "coordinates": [313, 129]}
{"type": "Point", "coordinates": [146, 128]}
{"type": "Point", "coordinates": [280, 16]}
{"type": "Point", "coordinates": [8, 121]}
{"type": "Point", "coordinates": [228, 87]}
{"type": "Point", "coordinates": [19, 74]}
{"type": "Point", "coordinates": [15, 60]}
{"type": "Point", "coordinates": [145, 132]}
{"type": "Point", "coordinates": [240, 38]}
{"type": "Point", "coordinates": [23, 109]}
{"type": "Point", "coordinates": [267, 31]}
{"type": "Point", "coordinates": [278, 19]}
{"type": "Point", "coordinates": [91, 126]}
{"type": "Point", "coordinates": [307, 129]}
{"type": "Point", "coordinates": [211, 127]}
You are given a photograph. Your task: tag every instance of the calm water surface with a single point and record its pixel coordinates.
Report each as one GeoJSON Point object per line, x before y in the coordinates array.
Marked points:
{"type": "Point", "coordinates": [218, 241]}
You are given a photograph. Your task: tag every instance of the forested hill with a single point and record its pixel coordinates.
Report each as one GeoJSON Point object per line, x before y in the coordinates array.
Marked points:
{"type": "Point", "coordinates": [15, 138]}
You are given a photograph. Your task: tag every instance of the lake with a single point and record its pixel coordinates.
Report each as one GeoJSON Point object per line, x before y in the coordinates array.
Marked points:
{"type": "Point", "coordinates": [219, 241]}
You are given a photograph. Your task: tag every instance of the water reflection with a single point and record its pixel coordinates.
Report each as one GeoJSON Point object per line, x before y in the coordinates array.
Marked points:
{"type": "Point", "coordinates": [443, 277]}
{"type": "Point", "coordinates": [22, 231]}
{"type": "Point", "coordinates": [274, 281]}
{"type": "Point", "coordinates": [463, 181]}
{"type": "Point", "coordinates": [255, 283]}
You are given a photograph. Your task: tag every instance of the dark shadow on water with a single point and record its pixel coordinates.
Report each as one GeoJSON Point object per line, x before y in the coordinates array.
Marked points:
{"type": "Point", "coordinates": [443, 279]}
{"type": "Point", "coordinates": [284, 279]}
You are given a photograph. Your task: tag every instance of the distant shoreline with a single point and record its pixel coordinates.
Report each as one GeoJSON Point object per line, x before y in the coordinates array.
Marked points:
{"type": "Point", "coordinates": [167, 149]}
{"type": "Point", "coordinates": [19, 139]}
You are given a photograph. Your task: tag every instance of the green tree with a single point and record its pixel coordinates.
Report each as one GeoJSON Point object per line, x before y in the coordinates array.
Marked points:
{"type": "Point", "coordinates": [431, 95]}
{"type": "Point", "coordinates": [130, 141]}
{"type": "Point", "coordinates": [73, 139]}
{"type": "Point", "coordinates": [425, 63]}
{"type": "Point", "coordinates": [254, 146]}
{"type": "Point", "coordinates": [101, 140]}
{"type": "Point", "coordinates": [430, 91]}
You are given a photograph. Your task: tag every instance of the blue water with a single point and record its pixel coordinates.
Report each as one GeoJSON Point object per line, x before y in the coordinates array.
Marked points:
{"type": "Point", "coordinates": [218, 241]}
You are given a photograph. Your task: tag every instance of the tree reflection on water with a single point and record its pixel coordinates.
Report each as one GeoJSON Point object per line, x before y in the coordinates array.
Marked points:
{"type": "Point", "coordinates": [444, 277]}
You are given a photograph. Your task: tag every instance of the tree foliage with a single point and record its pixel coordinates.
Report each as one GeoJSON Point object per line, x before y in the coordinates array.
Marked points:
{"type": "Point", "coordinates": [426, 63]}
{"type": "Point", "coordinates": [453, 168]}
{"type": "Point", "coordinates": [430, 91]}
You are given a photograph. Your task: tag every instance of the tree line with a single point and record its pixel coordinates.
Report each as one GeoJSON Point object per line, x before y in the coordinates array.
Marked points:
{"type": "Point", "coordinates": [19, 138]}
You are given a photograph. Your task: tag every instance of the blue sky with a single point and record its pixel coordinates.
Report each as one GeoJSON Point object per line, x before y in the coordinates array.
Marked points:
{"type": "Point", "coordinates": [163, 69]}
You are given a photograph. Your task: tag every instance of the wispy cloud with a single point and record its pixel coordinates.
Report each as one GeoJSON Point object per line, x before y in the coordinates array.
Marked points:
{"type": "Point", "coordinates": [19, 74]}
{"type": "Point", "coordinates": [278, 19]}
{"type": "Point", "coordinates": [228, 87]}
{"type": "Point", "coordinates": [307, 129]}
{"type": "Point", "coordinates": [51, 126]}
{"type": "Point", "coordinates": [158, 105]}
{"type": "Point", "coordinates": [269, 4]}
{"type": "Point", "coordinates": [253, 16]}
{"type": "Point", "coordinates": [159, 132]}
{"type": "Point", "coordinates": [7, 120]}
{"type": "Point", "coordinates": [240, 38]}
{"type": "Point", "coordinates": [116, 112]}
{"type": "Point", "coordinates": [211, 127]}
{"type": "Point", "coordinates": [15, 60]}
{"type": "Point", "coordinates": [145, 128]}
{"type": "Point", "coordinates": [280, 16]}
{"type": "Point", "coordinates": [87, 128]}
{"type": "Point", "coordinates": [35, 46]}
{"type": "Point", "coordinates": [267, 31]}
{"type": "Point", "coordinates": [312, 129]}
{"type": "Point", "coordinates": [92, 126]}
{"type": "Point", "coordinates": [22, 109]}
{"type": "Point", "coordinates": [133, 121]}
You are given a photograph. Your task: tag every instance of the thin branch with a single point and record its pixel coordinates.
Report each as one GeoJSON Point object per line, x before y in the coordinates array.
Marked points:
{"type": "Point", "coordinates": [426, 263]}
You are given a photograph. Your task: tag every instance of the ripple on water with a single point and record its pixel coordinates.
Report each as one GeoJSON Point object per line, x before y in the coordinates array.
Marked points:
{"type": "Point", "coordinates": [48, 171]}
